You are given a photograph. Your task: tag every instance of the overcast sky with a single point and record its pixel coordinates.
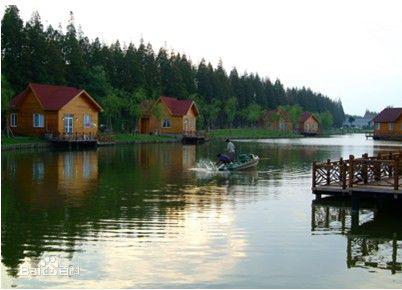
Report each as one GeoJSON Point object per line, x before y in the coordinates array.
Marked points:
{"type": "Point", "coordinates": [350, 50]}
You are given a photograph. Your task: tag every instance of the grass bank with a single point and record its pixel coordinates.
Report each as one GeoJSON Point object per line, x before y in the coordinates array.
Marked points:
{"type": "Point", "coordinates": [248, 133]}
{"type": "Point", "coordinates": [141, 138]}
{"type": "Point", "coordinates": [20, 140]}
{"type": "Point", "coordinates": [342, 131]}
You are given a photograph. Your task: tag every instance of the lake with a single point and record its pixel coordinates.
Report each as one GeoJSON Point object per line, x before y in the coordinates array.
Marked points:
{"type": "Point", "coordinates": [147, 216]}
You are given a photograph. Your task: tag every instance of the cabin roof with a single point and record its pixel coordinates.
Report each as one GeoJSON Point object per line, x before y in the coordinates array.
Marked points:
{"type": "Point", "coordinates": [177, 107]}
{"type": "Point", "coordinates": [305, 115]}
{"type": "Point", "coordinates": [388, 115]}
{"type": "Point", "coordinates": [52, 97]}
{"type": "Point", "coordinates": [271, 114]}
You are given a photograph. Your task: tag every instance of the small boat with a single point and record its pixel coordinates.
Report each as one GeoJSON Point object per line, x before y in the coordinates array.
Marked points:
{"type": "Point", "coordinates": [244, 161]}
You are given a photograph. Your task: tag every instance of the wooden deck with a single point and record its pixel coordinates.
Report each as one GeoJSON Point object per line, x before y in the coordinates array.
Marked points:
{"type": "Point", "coordinates": [377, 176]}
{"type": "Point", "coordinates": [73, 140]}
{"type": "Point", "coordinates": [190, 137]}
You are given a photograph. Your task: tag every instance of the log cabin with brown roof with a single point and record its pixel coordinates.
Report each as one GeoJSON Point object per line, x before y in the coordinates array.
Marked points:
{"type": "Point", "coordinates": [388, 124]}
{"type": "Point", "coordinates": [176, 117]}
{"type": "Point", "coordinates": [309, 125]}
{"type": "Point", "coordinates": [46, 109]}
{"type": "Point", "coordinates": [276, 120]}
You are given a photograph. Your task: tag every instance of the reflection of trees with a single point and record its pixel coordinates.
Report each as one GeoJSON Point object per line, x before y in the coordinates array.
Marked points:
{"type": "Point", "coordinates": [374, 240]}
{"type": "Point", "coordinates": [83, 194]}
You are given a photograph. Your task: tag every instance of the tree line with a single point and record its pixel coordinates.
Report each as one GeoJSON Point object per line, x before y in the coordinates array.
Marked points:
{"type": "Point", "coordinates": [120, 76]}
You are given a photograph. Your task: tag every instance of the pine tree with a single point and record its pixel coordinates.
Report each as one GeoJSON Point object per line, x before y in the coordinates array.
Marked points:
{"type": "Point", "coordinates": [74, 57]}
{"type": "Point", "coordinates": [12, 42]}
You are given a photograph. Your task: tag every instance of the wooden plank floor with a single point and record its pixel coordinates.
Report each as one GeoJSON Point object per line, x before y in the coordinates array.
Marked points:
{"type": "Point", "coordinates": [383, 187]}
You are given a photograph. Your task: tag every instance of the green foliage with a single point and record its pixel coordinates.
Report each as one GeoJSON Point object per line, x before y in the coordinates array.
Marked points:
{"type": "Point", "coordinates": [114, 75]}
{"type": "Point", "coordinates": [294, 112]}
{"type": "Point", "coordinates": [6, 94]}
{"type": "Point", "coordinates": [230, 110]}
{"type": "Point", "coordinates": [133, 105]}
{"type": "Point", "coordinates": [112, 105]}
{"type": "Point", "coordinates": [249, 133]}
{"type": "Point", "coordinates": [326, 120]}
{"type": "Point", "coordinates": [6, 140]}
{"type": "Point", "coordinates": [253, 113]}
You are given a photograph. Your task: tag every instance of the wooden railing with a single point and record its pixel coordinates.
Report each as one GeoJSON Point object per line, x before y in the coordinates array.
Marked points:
{"type": "Point", "coordinates": [199, 134]}
{"type": "Point", "coordinates": [77, 136]}
{"type": "Point", "coordinates": [384, 169]}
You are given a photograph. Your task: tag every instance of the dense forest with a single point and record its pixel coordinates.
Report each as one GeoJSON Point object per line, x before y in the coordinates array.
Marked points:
{"type": "Point", "coordinates": [120, 76]}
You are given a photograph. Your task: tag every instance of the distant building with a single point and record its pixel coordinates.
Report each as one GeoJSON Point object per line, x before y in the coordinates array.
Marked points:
{"type": "Point", "coordinates": [360, 122]}
{"type": "Point", "coordinates": [276, 120]}
{"type": "Point", "coordinates": [388, 124]}
{"type": "Point", "coordinates": [42, 109]}
{"type": "Point", "coordinates": [176, 117]}
{"type": "Point", "coordinates": [309, 125]}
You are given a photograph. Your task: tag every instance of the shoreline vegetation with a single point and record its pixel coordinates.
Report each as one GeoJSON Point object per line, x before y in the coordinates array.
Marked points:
{"type": "Point", "coordinates": [23, 142]}
{"type": "Point", "coordinates": [248, 133]}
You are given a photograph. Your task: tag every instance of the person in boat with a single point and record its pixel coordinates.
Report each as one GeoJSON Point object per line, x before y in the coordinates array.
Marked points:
{"type": "Point", "coordinates": [222, 159]}
{"type": "Point", "coordinates": [231, 150]}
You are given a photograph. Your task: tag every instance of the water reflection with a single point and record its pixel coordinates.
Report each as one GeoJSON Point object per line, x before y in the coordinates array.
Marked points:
{"type": "Point", "coordinates": [374, 240]}
{"type": "Point", "coordinates": [139, 216]}
{"type": "Point", "coordinates": [113, 202]}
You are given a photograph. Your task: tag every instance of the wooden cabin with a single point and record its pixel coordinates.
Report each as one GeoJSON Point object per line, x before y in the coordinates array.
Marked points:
{"type": "Point", "coordinates": [169, 116]}
{"type": "Point", "coordinates": [276, 120]}
{"type": "Point", "coordinates": [388, 124]}
{"type": "Point", "coordinates": [45, 109]}
{"type": "Point", "coordinates": [309, 125]}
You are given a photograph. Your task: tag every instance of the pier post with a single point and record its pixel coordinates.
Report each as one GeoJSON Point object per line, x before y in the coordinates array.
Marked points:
{"type": "Point", "coordinates": [364, 168]}
{"type": "Point", "coordinates": [351, 170]}
{"type": "Point", "coordinates": [314, 172]}
{"type": "Point", "coordinates": [396, 173]}
{"type": "Point", "coordinates": [342, 168]}
{"type": "Point", "coordinates": [328, 171]}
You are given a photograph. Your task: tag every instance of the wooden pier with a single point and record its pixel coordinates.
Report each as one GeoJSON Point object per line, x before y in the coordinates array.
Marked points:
{"type": "Point", "coordinates": [369, 135]}
{"type": "Point", "coordinates": [73, 140]}
{"type": "Point", "coordinates": [192, 137]}
{"type": "Point", "coordinates": [376, 176]}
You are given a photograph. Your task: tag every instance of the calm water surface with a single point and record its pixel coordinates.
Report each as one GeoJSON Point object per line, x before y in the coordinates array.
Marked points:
{"type": "Point", "coordinates": [141, 216]}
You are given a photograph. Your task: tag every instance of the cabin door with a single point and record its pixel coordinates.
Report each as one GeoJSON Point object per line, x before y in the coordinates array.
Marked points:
{"type": "Point", "coordinates": [68, 124]}
{"type": "Point", "coordinates": [144, 125]}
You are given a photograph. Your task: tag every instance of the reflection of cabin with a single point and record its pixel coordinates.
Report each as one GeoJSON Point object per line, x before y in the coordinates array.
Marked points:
{"type": "Point", "coordinates": [41, 109]}
{"type": "Point", "coordinates": [169, 116]}
{"type": "Point", "coordinates": [182, 157]}
{"type": "Point", "coordinates": [276, 120]}
{"type": "Point", "coordinates": [308, 124]}
{"type": "Point", "coordinates": [67, 176]}
{"type": "Point", "coordinates": [388, 124]}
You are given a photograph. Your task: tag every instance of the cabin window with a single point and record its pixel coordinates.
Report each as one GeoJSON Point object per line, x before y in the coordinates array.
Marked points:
{"type": "Point", "coordinates": [377, 126]}
{"type": "Point", "coordinates": [38, 121]}
{"type": "Point", "coordinates": [13, 120]}
{"type": "Point", "coordinates": [166, 123]}
{"type": "Point", "coordinates": [87, 121]}
{"type": "Point", "coordinates": [391, 126]}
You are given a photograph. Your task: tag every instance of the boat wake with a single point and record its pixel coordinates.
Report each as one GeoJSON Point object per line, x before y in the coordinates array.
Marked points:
{"type": "Point", "coordinates": [205, 165]}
